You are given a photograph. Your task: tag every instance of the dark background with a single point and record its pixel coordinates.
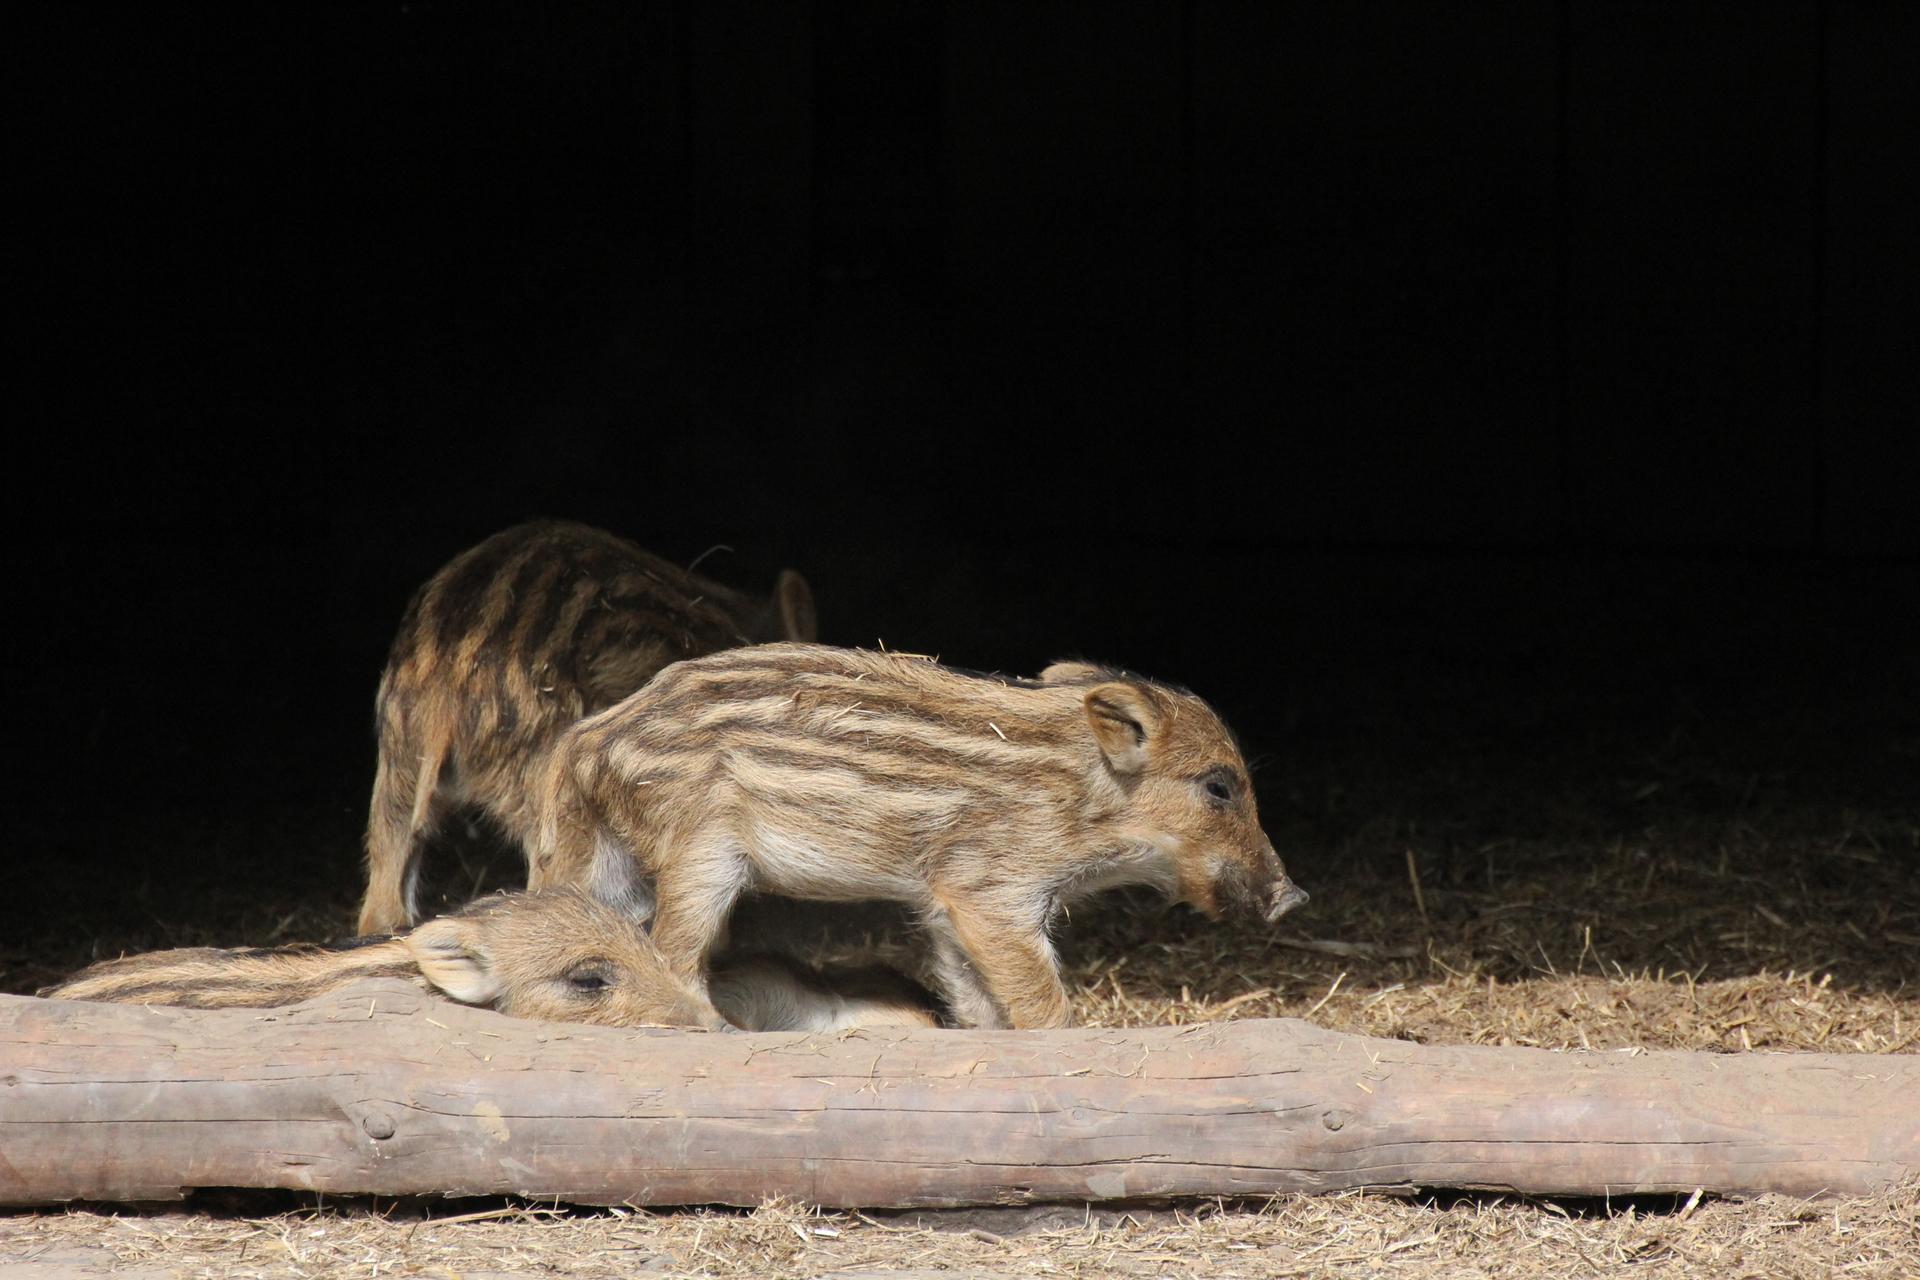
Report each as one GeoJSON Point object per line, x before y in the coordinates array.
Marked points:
{"type": "Point", "coordinates": [1474, 401]}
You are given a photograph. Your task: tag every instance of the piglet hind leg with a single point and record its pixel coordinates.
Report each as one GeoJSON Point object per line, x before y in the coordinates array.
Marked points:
{"type": "Point", "coordinates": [566, 836]}
{"type": "Point", "coordinates": [405, 812]}
{"type": "Point", "coordinates": [695, 890]}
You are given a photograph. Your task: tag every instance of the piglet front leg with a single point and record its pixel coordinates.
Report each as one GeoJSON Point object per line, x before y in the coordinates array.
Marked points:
{"type": "Point", "coordinates": [1006, 958]}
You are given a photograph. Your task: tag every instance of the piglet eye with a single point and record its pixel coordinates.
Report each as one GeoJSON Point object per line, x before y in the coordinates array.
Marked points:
{"type": "Point", "coordinates": [1220, 785]}
{"type": "Point", "coordinates": [588, 981]}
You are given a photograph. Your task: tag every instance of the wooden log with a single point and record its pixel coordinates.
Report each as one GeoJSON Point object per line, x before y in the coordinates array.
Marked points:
{"type": "Point", "coordinates": [380, 1089]}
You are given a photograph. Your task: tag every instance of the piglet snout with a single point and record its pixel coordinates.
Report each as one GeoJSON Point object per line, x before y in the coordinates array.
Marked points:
{"type": "Point", "coordinates": [1285, 897]}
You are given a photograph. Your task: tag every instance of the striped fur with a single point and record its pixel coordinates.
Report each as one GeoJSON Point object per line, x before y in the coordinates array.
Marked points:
{"type": "Point", "coordinates": [245, 978]}
{"type": "Point", "coordinates": [502, 649]}
{"type": "Point", "coordinates": [557, 955]}
{"type": "Point", "coordinates": [983, 803]}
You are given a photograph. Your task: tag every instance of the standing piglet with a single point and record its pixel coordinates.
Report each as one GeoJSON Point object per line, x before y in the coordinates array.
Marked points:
{"type": "Point", "coordinates": [505, 647]}
{"type": "Point", "coordinates": [837, 774]}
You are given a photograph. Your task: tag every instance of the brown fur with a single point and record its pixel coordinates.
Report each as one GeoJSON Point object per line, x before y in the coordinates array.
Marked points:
{"type": "Point", "coordinates": [557, 955]}
{"type": "Point", "coordinates": [506, 646]}
{"type": "Point", "coordinates": [765, 992]}
{"type": "Point", "coordinates": [837, 775]}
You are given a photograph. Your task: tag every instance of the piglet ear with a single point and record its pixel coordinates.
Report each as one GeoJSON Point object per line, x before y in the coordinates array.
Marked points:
{"type": "Point", "coordinates": [793, 601]}
{"type": "Point", "coordinates": [787, 614]}
{"type": "Point", "coordinates": [451, 955]}
{"type": "Point", "coordinates": [1069, 672]}
{"type": "Point", "coordinates": [1125, 719]}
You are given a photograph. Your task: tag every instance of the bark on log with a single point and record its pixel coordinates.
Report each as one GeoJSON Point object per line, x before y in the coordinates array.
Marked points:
{"type": "Point", "coordinates": [379, 1089]}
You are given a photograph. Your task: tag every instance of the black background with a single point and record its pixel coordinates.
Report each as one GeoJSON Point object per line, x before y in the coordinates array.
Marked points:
{"type": "Point", "coordinates": [1419, 382]}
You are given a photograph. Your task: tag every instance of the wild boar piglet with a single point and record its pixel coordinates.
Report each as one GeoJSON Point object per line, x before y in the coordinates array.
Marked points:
{"type": "Point", "coordinates": [558, 955]}
{"type": "Point", "coordinates": [985, 803]}
{"type": "Point", "coordinates": [506, 646]}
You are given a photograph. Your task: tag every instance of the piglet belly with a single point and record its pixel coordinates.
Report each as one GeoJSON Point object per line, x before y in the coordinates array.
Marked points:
{"type": "Point", "coordinates": [837, 868]}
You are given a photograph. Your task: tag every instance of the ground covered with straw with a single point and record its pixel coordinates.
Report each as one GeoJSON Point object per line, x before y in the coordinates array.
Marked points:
{"type": "Point", "coordinates": [1795, 930]}
{"type": "Point", "coordinates": [1695, 835]}
{"type": "Point", "coordinates": [1366, 1235]}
